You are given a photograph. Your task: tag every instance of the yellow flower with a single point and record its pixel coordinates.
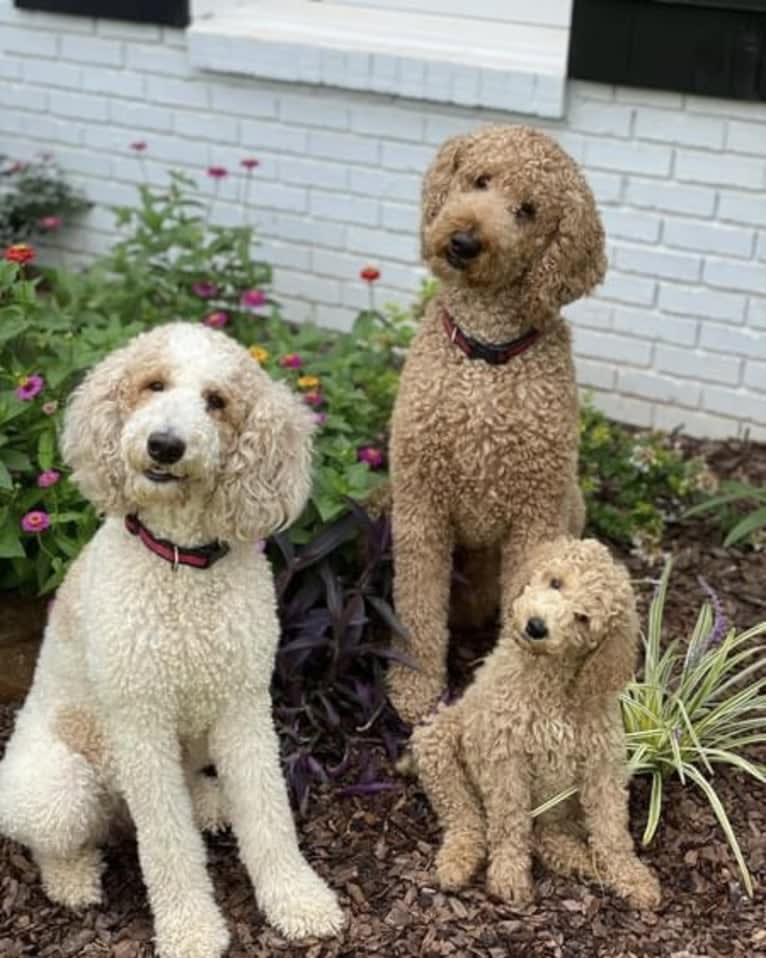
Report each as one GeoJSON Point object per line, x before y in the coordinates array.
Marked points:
{"type": "Point", "coordinates": [259, 354]}
{"type": "Point", "coordinates": [308, 382]}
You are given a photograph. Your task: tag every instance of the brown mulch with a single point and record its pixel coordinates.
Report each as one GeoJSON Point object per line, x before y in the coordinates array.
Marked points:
{"type": "Point", "coordinates": [378, 851]}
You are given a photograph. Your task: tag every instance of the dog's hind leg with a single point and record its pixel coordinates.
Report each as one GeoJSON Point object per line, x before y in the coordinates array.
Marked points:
{"type": "Point", "coordinates": [436, 749]}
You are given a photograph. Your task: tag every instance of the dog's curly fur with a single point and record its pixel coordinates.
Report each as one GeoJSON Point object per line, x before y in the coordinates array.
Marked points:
{"type": "Point", "coordinates": [543, 715]}
{"type": "Point", "coordinates": [485, 457]}
{"type": "Point", "coordinates": [149, 672]}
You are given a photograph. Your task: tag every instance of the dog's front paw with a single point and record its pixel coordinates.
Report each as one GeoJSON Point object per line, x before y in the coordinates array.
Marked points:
{"type": "Point", "coordinates": [458, 859]}
{"type": "Point", "coordinates": [641, 887]}
{"type": "Point", "coordinates": [510, 881]}
{"type": "Point", "coordinates": [194, 932]}
{"type": "Point", "coordinates": [304, 907]}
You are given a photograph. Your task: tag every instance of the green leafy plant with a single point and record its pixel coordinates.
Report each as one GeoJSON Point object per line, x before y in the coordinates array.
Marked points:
{"type": "Point", "coordinates": [633, 482]}
{"type": "Point", "coordinates": [697, 707]}
{"type": "Point", "coordinates": [724, 503]}
{"type": "Point", "coordinates": [35, 198]}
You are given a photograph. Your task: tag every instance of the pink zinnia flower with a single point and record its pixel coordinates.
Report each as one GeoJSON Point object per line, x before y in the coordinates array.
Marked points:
{"type": "Point", "coordinates": [205, 289]}
{"type": "Point", "coordinates": [253, 298]}
{"type": "Point", "coordinates": [320, 418]}
{"type": "Point", "coordinates": [216, 320]}
{"type": "Point", "coordinates": [372, 456]}
{"type": "Point", "coordinates": [29, 387]}
{"type": "Point", "coordinates": [49, 408]}
{"type": "Point", "coordinates": [250, 163]}
{"type": "Point", "coordinates": [139, 146]}
{"type": "Point", "coordinates": [35, 521]}
{"type": "Point", "coordinates": [291, 361]}
{"type": "Point", "coordinates": [217, 172]}
{"type": "Point", "coordinates": [49, 477]}
{"type": "Point", "coordinates": [314, 399]}
{"type": "Point", "coordinates": [49, 222]}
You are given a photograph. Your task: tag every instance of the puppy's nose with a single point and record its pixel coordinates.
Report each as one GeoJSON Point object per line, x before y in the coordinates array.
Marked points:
{"type": "Point", "coordinates": [536, 628]}
{"type": "Point", "coordinates": [464, 245]}
{"type": "Point", "coordinates": [165, 447]}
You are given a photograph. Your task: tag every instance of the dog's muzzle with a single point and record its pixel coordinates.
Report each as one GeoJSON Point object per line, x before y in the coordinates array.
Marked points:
{"type": "Point", "coordinates": [463, 246]}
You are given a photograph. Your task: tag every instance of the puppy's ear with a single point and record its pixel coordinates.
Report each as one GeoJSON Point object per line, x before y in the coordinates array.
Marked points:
{"type": "Point", "coordinates": [439, 176]}
{"type": "Point", "coordinates": [267, 479]}
{"type": "Point", "coordinates": [612, 663]}
{"type": "Point", "coordinates": [575, 260]}
{"type": "Point", "coordinates": [90, 441]}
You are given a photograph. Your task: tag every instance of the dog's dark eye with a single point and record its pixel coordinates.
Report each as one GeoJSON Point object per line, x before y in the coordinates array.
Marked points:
{"type": "Point", "coordinates": [582, 618]}
{"type": "Point", "coordinates": [215, 401]}
{"type": "Point", "coordinates": [482, 182]}
{"type": "Point", "coordinates": [556, 583]}
{"type": "Point", "coordinates": [526, 211]}
{"type": "Point", "coordinates": [156, 386]}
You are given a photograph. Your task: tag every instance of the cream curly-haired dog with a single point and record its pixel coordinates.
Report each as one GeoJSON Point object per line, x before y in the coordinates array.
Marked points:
{"type": "Point", "coordinates": [158, 653]}
{"type": "Point", "coordinates": [543, 715]}
{"type": "Point", "coordinates": [484, 432]}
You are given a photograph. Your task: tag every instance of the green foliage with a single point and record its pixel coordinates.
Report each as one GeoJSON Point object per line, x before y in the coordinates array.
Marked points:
{"type": "Point", "coordinates": [724, 503]}
{"type": "Point", "coordinates": [697, 707]}
{"type": "Point", "coordinates": [30, 192]}
{"type": "Point", "coordinates": [632, 482]}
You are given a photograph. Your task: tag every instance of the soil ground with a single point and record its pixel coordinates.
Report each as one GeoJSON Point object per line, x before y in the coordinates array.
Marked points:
{"type": "Point", "coordinates": [378, 851]}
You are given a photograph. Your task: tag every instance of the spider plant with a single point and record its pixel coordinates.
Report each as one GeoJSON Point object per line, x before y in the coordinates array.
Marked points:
{"type": "Point", "coordinates": [729, 495]}
{"type": "Point", "coordinates": [697, 707]}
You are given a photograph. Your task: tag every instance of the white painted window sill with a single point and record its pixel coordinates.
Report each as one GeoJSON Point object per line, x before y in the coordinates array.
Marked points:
{"type": "Point", "coordinates": [503, 66]}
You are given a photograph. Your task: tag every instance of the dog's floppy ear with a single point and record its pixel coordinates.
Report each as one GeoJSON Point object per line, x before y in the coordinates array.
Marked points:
{"type": "Point", "coordinates": [611, 665]}
{"type": "Point", "coordinates": [575, 260]}
{"type": "Point", "coordinates": [90, 441]}
{"type": "Point", "coordinates": [267, 479]}
{"type": "Point", "coordinates": [439, 176]}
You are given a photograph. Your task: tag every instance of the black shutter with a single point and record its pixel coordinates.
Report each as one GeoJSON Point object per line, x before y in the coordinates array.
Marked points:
{"type": "Point", "coordinates": [172, 13]}
{"type": "Point", "coordinates": [707, 47]}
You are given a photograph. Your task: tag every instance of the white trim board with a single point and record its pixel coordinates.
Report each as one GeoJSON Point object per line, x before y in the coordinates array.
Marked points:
{"type": "Point", "coordinates": [505, 66]}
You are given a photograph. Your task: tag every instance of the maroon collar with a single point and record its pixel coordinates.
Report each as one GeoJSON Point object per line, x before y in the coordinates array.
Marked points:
{"type": "Point", "coordinates": [496, 354]}
{"type": "Point", "coordinates": [200, 557]}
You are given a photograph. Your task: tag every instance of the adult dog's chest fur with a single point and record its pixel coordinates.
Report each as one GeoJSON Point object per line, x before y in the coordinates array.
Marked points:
{"type": "Point", "coordinates": [470, 432]}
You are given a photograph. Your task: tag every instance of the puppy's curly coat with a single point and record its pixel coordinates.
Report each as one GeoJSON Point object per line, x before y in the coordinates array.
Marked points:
{"type": "Point", "coordinates": [542, 715]}
{"type": "Point", "coordinates": [148, 672]}
{"type": "Point", "coordinates": [484, 456]}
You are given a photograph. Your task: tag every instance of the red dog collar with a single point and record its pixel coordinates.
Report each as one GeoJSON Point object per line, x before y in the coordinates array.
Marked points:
{"type": "Point", "coordinates": [200, 557]}
{"type": "Point", "coordinates": [496, 354]}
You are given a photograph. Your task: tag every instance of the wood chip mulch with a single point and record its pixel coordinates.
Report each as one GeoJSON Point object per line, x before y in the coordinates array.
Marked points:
{"type": "Point", "coordinates": [378, 851]}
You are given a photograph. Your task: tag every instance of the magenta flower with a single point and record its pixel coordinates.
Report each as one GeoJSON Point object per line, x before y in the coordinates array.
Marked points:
{"type": "Point", "coordinates": [253, 298]}
{"type": "Point", "coordinates": [250, 163]}
{"type": "Point", "coordinates": [49, 477]}
{"type": "Point", "coordinates": [291, 361]}
{"type": "Point", "coordinates": [216, 320]}
{"type": "Point", "coordinates": [372, 456]}
{"type": "Point", "coordinates": [35, 521]}
{"type": "Point", "coordinates": [314, 399]}
{"type": "Point", "coordinates": [29, 387]}
{"type": "Point", "coordinates": [49, 408]}
{"type": "Point", "coordinates": [217, 172]}
{"type": "Point", "coordinates": [320, 418]}
{"type": "Point", "coordinates": [205, 289]}
{"type": "Point", "coordinates": [49, 223]}
{"type": "Point", "coordinates": [139, 146]}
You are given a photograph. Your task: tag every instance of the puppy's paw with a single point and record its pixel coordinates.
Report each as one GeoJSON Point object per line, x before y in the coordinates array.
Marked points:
{"type": "Point", "coordinates": [510, 881]}
{"type": "Point", "coordinates": [74, 882]}
{"type": "Point", "coordinates": [458, 859]}
{"type": "Point", "coordinates": [642, 889]}
{"type": "Point", "coordinates": [305, 907]}
{"type": "Point", "coordinates": [193, 932]}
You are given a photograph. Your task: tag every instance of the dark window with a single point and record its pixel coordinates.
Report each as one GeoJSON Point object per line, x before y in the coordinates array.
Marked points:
{"type": "Point", "coordinates": [707, 47]}
{"type": "Point", "coordinates": [173, 13]}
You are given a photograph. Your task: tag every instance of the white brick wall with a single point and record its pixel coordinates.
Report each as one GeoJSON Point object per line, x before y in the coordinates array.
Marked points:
{"type": "Point", "coordinates": [676, 335]}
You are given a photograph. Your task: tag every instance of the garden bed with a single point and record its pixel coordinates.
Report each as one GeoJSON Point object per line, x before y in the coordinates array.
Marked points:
{"type": "Point", "coordinates": [378, 851]}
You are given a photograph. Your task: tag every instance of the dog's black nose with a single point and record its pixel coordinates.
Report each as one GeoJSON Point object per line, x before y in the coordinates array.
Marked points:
{"type": "Point", "coordinates": [164, 447]}
{"type": "Point", "coordinates": [464, 245]}
{"type": "Point", "coordinates": [536, 628]}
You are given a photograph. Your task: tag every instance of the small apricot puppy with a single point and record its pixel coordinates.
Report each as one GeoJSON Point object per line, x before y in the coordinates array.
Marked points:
{"type": "Point", "coordinates": [543, 715]}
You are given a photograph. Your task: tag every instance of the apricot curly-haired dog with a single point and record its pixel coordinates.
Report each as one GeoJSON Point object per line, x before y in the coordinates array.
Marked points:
{"type": "Point", "coordinates": [484, 432]}
{"type": "Point", "coordinates": [542, 715]}
{"type": "Point", "coordinates": [158, 653]}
